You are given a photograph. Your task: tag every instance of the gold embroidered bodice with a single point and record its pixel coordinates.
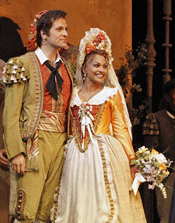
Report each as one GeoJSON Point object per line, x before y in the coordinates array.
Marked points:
{"type": "Point", "coordinates": [109, 113]}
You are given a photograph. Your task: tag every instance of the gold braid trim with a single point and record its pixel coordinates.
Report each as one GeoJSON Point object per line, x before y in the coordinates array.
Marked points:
{"type": "Point", "coordinates": [75, 131]}
{"type": "Point", "coordinates": [21, 201]}
{"type": "Point", "coordinates": [98, 116]}
{"type": "Point", "coordinates": [38, 103]}
{"type": "Point", "coordinates": [77, 134]}
{"type": "Point", "coordinates": [108, 189]}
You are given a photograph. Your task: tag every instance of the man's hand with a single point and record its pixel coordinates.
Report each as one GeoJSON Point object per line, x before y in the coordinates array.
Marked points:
{"type": "Point", "coordinates": [4, 162]}
{"type": "Point", "coordinates": [19, 164]}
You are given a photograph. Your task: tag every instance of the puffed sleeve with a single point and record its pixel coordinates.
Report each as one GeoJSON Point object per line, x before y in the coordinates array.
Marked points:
{"type": "Point", "coordinates": [119, 126]}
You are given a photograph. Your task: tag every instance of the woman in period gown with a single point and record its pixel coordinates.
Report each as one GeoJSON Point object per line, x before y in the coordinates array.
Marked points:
{"type": "Point", "coordinates": [95, 186]}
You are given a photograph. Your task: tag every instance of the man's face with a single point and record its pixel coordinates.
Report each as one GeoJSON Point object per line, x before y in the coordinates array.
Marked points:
{"type": "Point", "coordinates": [57, 37]}
{"type": "Point", "coordinates": [172, 99]}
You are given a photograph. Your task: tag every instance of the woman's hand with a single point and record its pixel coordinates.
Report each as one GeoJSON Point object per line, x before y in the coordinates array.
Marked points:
{"type": "Point", "coordinates": [134, 170]}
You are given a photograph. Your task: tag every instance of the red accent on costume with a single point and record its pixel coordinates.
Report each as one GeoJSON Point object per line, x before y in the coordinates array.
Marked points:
{"type": "Point", "coordinates": [31, 44]}
{"type": "Point", "coordinates": [75, 110]}
{"type": "Point", "coordinates": [66, 88]}
{"type": "Point", "coordinates": [49, 104]}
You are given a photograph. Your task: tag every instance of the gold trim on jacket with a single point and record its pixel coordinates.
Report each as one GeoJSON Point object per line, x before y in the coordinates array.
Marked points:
{"type": "Point", "coordinates": [23, 105]}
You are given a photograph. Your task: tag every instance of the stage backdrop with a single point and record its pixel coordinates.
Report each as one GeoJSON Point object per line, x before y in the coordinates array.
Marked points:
{"type": "Point", "coordinates": [113, 16]}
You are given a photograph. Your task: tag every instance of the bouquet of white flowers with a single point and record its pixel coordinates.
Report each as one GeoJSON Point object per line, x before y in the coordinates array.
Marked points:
{"type": "Point", "coordinates": [153, 168]}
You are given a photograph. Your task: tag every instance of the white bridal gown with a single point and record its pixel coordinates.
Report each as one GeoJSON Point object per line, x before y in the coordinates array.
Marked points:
{"type": "Point", "coordinates": [96, 179]}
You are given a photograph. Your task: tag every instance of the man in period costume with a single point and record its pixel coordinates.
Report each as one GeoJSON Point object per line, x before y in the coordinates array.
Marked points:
{"type": "Point", "coordinates": [11, 45]}
{"type": "Point", "coordinates": [35, 117]}
{"type": "Point", "coordinates": [159, 132]}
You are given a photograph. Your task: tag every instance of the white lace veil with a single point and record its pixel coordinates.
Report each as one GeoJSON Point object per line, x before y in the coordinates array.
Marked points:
{"type": "Point", "coordinates": [111, 80]}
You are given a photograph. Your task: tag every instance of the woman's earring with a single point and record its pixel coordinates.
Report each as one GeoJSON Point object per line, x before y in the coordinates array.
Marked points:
{"type": "Point", "coordinates": [84, 76]}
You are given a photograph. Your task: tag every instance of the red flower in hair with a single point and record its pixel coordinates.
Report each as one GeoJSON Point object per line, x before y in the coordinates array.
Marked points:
{"type": "Point", "coordinates": [93, 46]}
{"type": "Point", "coordinates": [89, 48]}
{"type": "Point", "coordinates": [32, 28]}
{"type": "Point", "coordinates": [101, 37]}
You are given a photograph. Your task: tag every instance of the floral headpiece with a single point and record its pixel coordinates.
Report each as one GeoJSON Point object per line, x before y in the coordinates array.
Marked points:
{"type": "Point", "coordinates": [95, 39]}
{"type": "Point", "coordinates": [99, 42]}
{"type": "Point", "coordinates": [32, 45]}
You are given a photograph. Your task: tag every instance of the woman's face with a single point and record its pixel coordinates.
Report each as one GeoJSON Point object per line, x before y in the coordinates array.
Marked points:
{"type": "Point", "coordinates": [96, 69]}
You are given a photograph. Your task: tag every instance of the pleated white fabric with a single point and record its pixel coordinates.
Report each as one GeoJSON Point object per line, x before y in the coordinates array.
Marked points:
{"type": "Point", "coordinates": [83, 197]}
{"type": "Point", "coordinates": [95, 186]}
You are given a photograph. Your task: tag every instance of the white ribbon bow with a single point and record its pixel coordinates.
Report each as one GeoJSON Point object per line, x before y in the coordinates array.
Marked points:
{"type": "Point", "coordinates": [138, 179]}
{"type": "Point", "coordinates": [86, 121]}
